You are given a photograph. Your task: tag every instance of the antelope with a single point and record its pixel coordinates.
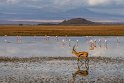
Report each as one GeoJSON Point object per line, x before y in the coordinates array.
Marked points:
{"type": "Point", "coordinates": [79, 55]}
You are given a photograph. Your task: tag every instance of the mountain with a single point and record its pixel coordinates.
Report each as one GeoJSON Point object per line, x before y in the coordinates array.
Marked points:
{"type": "Point", "coordinates": [77, 21]}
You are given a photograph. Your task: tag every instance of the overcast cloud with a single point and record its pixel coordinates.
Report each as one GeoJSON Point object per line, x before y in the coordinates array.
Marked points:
{"type": "Point", "coordinates": [60, 3]}
{"type": "Point", "coordinates": [111, 7]}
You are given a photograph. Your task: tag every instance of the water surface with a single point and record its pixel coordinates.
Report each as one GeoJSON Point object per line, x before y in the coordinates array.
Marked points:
{"type": "Point", "coordinates": [27, 46]}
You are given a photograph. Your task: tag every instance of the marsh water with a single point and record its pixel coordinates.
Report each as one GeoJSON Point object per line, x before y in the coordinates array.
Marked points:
{"type": "Point", "coordinates": [98, 70]}
{"type": "Point", "coordinates": [26, 46]}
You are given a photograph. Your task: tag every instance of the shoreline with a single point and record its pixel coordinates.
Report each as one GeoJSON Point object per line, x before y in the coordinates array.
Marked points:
{"type": "Point", "coordinates": [38, 59]}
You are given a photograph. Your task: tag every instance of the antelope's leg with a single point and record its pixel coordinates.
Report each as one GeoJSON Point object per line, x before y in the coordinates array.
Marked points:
{"type": "Point", "coordinates": [87, 66]}
{"type": "Point", "coordinates": [82, 62]}
{"type": "Point", "coordinates": [87, 60]}
{"type": "Point", "coordinates": [77, 60]}
{"type": "Point", "coordinates": [79, 64]}
{"type": "Point", "coordinates": [87, 63]}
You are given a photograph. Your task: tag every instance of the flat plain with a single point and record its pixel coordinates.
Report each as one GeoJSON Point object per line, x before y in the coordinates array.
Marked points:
{"type": "Point", "coordinates": [38, 30]}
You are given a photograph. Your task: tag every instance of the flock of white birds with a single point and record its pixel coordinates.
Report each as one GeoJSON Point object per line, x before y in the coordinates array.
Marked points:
{"type": "Point", "coordinates": [92, 43]}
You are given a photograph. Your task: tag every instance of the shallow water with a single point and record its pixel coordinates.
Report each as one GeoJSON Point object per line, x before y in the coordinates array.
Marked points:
{"type": "Point", "coordinates": [27, 46]}
{"type": "Point", "coordinates": [101, 70]}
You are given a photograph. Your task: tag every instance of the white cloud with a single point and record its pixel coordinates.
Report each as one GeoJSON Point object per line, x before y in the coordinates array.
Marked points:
{"type": "Point", "coordinates": [8, 1]}
{"type": "Point", "coordinates": [11, 1]}
{"type": "Point", "coordinates": [97, 2]}
{"type": "Point", "coordinates": [106, 3]}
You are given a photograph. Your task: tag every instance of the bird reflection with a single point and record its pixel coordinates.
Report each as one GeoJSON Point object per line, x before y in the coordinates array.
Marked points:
{"type": "Point", "coordinates": [82, 72]}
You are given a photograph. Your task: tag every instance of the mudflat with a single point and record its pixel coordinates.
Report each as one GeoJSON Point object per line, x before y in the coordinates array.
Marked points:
{"type": "Point", "coordinates": [61, 70]}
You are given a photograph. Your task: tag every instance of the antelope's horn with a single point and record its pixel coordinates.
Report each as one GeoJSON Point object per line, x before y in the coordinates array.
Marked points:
{"type": "Point", "coordinates": [74, 47]}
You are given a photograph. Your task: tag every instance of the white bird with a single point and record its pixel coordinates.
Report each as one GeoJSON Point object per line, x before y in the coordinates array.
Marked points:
{"type": "Point", "coordinates": [91, 45]}
{"type": "Point", "coordinates": [48, 37]}
{"type": "Point", "coordinates": [17, 39]}
{"type": "Point", "coordinates": [99, 42]}
{"type": "Point", "coordinates": [69, 43]}
{"type": "Point", "coordinates": [77, 42]}
{"type": "Point", "coordinates": [63, 43]}
{"type": "Point", "coordinates": [118, 41]}
{"type": "Point", "coordinates": [57, 38]}
{"type": "Point", "coordinates": [5, 38]}
{"type": "Point", "coordinates": [106, 44]}
{"type": "Point", "coordinates": [94, 43]}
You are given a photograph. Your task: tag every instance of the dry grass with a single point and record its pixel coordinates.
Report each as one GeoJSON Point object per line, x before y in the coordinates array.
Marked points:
{"type": "Point", "coordinates": [98, 30]}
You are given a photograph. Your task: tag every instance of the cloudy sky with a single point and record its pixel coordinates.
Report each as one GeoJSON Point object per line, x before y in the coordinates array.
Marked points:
{"type": "Point", "coordinates": [102, 10]}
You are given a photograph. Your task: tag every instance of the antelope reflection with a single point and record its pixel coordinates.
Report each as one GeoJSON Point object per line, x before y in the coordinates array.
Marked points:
{"type": "Point", "coordinates": [81, 72]}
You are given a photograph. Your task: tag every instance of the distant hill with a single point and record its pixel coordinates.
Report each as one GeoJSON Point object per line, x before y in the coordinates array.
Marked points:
{"type": "Point", "coordinates": [77, 21]}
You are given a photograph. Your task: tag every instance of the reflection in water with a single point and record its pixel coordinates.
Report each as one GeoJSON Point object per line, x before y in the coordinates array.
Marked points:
{"type": "Point", "coordinates": [82, 72]}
